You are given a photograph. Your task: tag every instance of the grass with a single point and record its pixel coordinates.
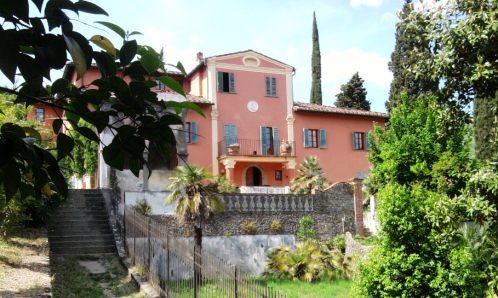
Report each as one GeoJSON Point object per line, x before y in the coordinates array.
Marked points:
{"type": "Point", "coordinates": [73, 280]}
{"type": "Point", "coordinates": [300, 289]}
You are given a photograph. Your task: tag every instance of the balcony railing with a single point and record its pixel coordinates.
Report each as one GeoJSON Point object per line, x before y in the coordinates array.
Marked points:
{"type": "Point", "coordinates": [245, 147]}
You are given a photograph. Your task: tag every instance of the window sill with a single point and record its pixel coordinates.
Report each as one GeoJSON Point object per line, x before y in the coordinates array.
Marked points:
{"type": "Point", "coordinates": [227, 92]}
{"type": "Point", "coordinates": [271, 96]}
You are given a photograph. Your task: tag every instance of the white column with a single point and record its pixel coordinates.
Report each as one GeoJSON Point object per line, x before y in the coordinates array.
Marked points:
{"type": "Point", "coordinates": [211, 77]}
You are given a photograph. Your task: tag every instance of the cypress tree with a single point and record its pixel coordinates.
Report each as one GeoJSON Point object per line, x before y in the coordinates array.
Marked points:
{"type": "Point", "coordinates": [409, 40]}
{"type": "Point", "coordinates": [316, 67]}
{"type": "Point", "coordinates": [353, 95]}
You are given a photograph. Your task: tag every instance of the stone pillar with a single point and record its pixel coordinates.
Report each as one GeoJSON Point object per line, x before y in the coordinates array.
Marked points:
{"type": "Point", "coordinates": [229, 169]}
{"type": "Point", "coordinates": [358, 206]}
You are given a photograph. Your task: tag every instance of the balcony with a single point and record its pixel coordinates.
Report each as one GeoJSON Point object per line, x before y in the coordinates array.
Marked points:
{"type": "Point", "coordinates": [257, 148]}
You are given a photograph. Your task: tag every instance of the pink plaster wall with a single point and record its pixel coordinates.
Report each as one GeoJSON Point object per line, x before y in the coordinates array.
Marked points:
{"type": "Point", "coordinates": [232, 107]}
{"type": "Point", "coordinates": [197, 84]}
{"type": "Point", "coordinates": [268, 170]}
{"type": "Point", "coordinates": [339, 161]}
{"type": "Point", "coordinates": [239, 61]}
{"type": "Point", "coordinates": [200, 153]}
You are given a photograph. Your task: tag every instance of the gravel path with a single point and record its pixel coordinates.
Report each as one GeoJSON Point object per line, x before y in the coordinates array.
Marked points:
{"type": "Point", "coordinates": [24, 265]}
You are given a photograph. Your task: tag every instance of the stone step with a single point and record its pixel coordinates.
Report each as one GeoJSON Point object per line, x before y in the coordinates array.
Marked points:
{"type": "Point", "coordinates": [97, 249]}
{"type": "Point", "coordinates": [75, 216]}
{"type": "Point", "coordinates": [78, 221]}
{"type": "Point", "coordinates": [81, 243]}
{"type": "Point", "coordinates": [83, 237]}
{"type": "Point", "coordinates": [79, 230]}
{"type": "Point", "coordinates": [80, 210]}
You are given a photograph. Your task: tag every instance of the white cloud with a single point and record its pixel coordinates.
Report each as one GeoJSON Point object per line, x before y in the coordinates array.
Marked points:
{"type": "Point", "coordinates": [356, 3]}
{"type": "Point", "coordinates": [339, 66]}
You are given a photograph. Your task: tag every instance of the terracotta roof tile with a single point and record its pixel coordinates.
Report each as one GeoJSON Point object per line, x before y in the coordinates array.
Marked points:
{"type": "Point", "coordinates": [198, 99]}
{"type": "Point", "coordinates": [309, 107]}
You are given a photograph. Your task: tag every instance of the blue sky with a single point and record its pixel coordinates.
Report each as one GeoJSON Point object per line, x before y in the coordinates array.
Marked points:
{"type": "Point", "coordinates": [355, 35]}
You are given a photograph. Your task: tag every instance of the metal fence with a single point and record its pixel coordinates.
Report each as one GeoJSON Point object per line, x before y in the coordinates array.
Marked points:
{"type": "Point", "coordinates": [178, 268]}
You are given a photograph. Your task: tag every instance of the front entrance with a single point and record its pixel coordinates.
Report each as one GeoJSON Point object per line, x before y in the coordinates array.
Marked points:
{"type": "Point", "coordinates": [254, 177]}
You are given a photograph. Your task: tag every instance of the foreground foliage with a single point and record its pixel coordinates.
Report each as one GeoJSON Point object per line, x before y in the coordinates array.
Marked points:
{"type": "Point", "coordinates": [300, 289]}
{"type": "Point", "coordinates": [436, 211]}
{"type": "Point", "coordinates": [37, 38]}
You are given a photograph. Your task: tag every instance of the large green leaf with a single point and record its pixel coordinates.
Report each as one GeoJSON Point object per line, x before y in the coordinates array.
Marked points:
{"type": "Point", "coordinates": [113, 154]}
{"type": "Point", "coordinates": [114, 28]}
{"type": "Point", "coordinates": [150, 62]}
{"type": "Point", "coordinates": [60, 86]}
{"type": "Point", "coordinates": [106, 63]}
{"type": "Point", "coordinates": [172, 84]}
{"type": "Point", "coordinates": [11, 177]}
{"type": "Point", "coordinates": [57, 125]}
{"type": "Point", "coordinates": [65, 145]}
{"type": "Point", "coordinates": [88, 133]}
{"type": "Point", "coordinates": [128, 52]}
{"type": "Point", "coordinates": [77, 55]}
{"type": "Point", "coordinates": [104, 43]}
{"type": "Point", "coordinates": [89, 7]}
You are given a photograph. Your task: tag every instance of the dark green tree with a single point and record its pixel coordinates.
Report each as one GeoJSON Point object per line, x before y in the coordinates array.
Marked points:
{"type": "Point", "coordinates": [84, 156]}
{"type": "Point", "coordinates": [486, 127]}
{"type": "Point", "coordinates": [353, 95]}
{"type": "Point", "coordinates": [316, 67]}
{"type": "Point", "coordinates": [463, 39]}
{"type": "Point", "coordinates": [36, 38]}
{"type": "Point", "coordinates": [408, 39]}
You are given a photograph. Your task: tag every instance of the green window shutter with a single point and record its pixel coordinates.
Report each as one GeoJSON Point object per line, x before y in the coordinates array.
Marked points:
{"type": "Point", "coordinates": [231, 82]}
{"type": "Point", "coordinates": [193, 129]}
{"type": "Point", "coordinates": [186, 131]}
{"type": "Point", "coordinates": [355, 144]}
{"type": "Point", "coordinates": [220, 81]}
{"type": "Point", "coordinates": [306, 138]}
{"type": "Point", "coordinates": [268, 85]}
{"type": "Point", "coordinates": [274, 86]}
{"type": "Point", "coordinates": [369, 140]}
{"type": "Point", "coordinates": [323, 138]}
{"type": "Point", "coordinates": [276, 141]}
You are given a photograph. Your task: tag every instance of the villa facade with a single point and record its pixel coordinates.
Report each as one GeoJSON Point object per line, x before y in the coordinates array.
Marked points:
{"type": "Point", "coordinates": [253, 130]}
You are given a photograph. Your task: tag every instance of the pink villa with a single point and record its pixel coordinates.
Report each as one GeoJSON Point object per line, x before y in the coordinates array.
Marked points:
{"type": "Point", "coordinates": [253, 131]}
{"type": "Point", "coordinates": [257, 135]}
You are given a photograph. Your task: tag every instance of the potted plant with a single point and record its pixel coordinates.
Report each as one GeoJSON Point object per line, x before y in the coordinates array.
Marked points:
{"type": "Point", "coordinates": [233, 149]}
{"type": "Point", "coordinates": [285, 148]}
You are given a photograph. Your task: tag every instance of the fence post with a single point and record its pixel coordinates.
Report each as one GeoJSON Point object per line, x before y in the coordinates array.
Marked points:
{"type": "Point", "coordinates": [167, 266]}
{"type": "Point", "coordinates": [134, 237]}
{"type": "Point", "coordinates": [236, 292]}
{"type": "Point", "coordinates": [195, 272]}
{"type": "Point", "coordinates": [148, 244]}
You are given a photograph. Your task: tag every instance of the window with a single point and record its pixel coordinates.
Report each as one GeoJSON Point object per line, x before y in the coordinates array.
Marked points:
{"type": "Point", "coordinates": [160, 85]}
{"type": "Point", "coordinates": [226, 82]}
{"type": "Point", "coordinates": [271, 86]}
{"type": "Point", "coordinates": [358, 141]}
{"type": "Point", "coordinates": [40, 114]}
{"type": "Point", "coordinates": [315, 138]}
{"type": "Point", "coordinates": [191, 132]}
{"type": "Point", "coordinates": [270, 143]}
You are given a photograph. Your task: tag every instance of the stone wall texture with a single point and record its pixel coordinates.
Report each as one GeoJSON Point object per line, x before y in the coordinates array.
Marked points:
{"type": "Point", "coordinates": [332, 210]}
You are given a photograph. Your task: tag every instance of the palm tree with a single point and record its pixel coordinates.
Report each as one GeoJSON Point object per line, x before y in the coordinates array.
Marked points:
{"type": "Point", "coordinates": [309, 177]}
{"type": "Point", "coordinates": [191, 189]}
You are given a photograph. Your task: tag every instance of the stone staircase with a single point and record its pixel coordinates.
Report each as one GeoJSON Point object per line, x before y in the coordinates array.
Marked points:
{"type": "Point", "coordinates": [80, 227]}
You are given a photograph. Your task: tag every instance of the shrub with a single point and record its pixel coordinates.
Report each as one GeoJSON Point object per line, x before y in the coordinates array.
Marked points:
{"type": "Point", "coordinates": [306, 230]}
{"type": "Point", "coordinates": [338, 242]}
{"type": "Point", "coordinates": [310, 261]}
{"type": "Point", "coordinates": [224, 185]}
{"type": "Point", "coordinates": [142, 207]}
{"type": "Point", "coordinates": [276, 226]}
{"type": "Point", "coordinates": [248, 227]}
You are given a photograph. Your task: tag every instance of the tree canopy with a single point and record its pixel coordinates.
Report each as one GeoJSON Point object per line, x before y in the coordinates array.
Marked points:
{"type": "Point", "coordinates": [33, 44]}
{"type": "Point", "coordinates": [353, 95]}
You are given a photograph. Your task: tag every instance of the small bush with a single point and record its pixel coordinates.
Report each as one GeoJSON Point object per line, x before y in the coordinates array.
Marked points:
{"type": "Point", "coordinates": [338, 242]}
{"type": "Point", "coordinates": [276, 226]}
{"type": "Point", "coordinates": [310, 261]}
{"type": "Point", "coordinates": [142, 207]}
{"type": "Point", "coordinates": [248, 227]}
{"type": "Point", "coordinates": [225, 186]}
{"type": "Point", "coordinates": [227, 234]}
{"type": "Point", "coordinates": [306, 230]}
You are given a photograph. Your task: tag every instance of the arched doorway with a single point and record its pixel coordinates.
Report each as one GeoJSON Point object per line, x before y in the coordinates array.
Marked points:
{"type": "Point", "coordinates": [254, 177]}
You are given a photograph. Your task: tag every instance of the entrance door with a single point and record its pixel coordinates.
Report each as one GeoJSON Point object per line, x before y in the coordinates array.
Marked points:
{"type": "Point", "coordinates": [269, 141]}
{"type": "Point", "coordinates": [254, 177]}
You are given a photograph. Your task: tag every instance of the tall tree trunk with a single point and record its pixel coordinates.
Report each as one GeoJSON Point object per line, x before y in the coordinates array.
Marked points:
{"type": "Point", "coordinates": [198, 255]}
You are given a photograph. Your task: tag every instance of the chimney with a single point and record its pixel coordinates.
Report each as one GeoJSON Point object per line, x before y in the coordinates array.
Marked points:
{"type": "Point", "coordinates": [200, 56]}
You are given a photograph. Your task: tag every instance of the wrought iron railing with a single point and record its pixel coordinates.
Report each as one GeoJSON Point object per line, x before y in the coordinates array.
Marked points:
{"type": "Point", "coordinates": [177, 268]}
{"type": "Point", "coordinates": [247, 147]}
